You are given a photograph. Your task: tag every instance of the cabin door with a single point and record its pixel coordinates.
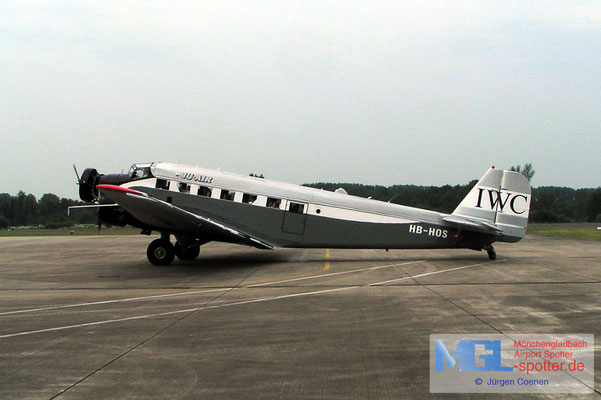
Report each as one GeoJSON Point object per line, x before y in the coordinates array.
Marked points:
{"type": "Point", "coordinates": [295, 218]}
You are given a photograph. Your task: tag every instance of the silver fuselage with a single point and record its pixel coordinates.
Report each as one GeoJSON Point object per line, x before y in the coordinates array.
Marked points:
{"type": "Point", "coordinates": [289, 215]}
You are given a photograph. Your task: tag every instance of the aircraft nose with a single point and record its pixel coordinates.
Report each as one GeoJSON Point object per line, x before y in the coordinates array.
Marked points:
{"type": "Point", "coordinates": [87, 185]}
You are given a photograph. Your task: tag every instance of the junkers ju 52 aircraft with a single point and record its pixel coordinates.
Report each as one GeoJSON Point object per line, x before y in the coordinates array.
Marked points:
{"type": "Point", "coordinates": [197, 205]}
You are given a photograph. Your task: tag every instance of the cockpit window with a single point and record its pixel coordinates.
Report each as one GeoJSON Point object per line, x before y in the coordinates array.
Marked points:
{"type": "Point", "coordinates": [139, 171]}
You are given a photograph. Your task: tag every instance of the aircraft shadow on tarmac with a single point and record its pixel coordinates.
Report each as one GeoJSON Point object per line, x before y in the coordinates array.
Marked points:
{"type": "Point", "coordinates": [391, 260]}
{"type": "Point", "coordinates": [221, 262]}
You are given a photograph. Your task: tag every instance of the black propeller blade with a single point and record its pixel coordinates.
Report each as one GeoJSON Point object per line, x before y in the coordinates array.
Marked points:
{"type": "Point", "coordinates": [77, 174]}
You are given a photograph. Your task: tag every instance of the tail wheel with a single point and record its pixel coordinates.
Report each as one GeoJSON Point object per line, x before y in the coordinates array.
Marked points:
{"type": "Point", "coordinates": [160, 252]}
{"type": "Point", "coordinates": [186, 253]}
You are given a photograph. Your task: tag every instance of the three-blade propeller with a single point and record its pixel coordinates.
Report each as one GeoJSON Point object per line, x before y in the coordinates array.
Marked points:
{"type": "Point", "coordinates": [98, 221]}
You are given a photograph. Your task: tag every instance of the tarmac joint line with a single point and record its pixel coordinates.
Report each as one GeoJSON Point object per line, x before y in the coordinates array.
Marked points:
{"type": "Point", "coordinates": [206, 306]}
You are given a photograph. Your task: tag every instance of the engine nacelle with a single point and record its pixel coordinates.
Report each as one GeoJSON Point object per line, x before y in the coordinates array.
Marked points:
{"type": "Point", "coordinates": [91, 178]}
{"type": "Point", "coordinates": [87, 185]}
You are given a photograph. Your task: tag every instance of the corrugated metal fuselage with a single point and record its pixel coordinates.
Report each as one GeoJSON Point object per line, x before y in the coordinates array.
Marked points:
{"type": "Point", "coordinates": [286, 229]}
{"type": "Point", "coordinates": [328, 220]}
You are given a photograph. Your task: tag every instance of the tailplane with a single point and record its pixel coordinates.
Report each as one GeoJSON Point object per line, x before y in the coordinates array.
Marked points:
{"type": "Point", "coordinates": [499, 202]}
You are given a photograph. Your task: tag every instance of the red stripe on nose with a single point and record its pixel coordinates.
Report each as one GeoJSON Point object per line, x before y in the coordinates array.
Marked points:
{"type": "Point", "coordinates": [113, 188]}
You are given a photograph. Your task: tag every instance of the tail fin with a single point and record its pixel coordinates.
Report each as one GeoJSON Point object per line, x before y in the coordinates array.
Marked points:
{"type": "Point", "coordinates": [501, 200]}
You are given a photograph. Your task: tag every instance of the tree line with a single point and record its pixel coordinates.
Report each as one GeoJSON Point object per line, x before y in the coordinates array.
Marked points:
{"type": "Point", "coordinates": [49, 211]}
{"type": "Point", "coordinates": [549, 203]}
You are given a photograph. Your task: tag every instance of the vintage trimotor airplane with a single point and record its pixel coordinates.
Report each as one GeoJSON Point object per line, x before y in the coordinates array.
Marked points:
{"type": "Point", "coordinates": [198, 205]}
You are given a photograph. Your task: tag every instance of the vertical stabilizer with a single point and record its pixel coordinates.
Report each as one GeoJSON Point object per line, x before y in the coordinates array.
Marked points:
{"type": "Point", "coordinates": [501, 198]}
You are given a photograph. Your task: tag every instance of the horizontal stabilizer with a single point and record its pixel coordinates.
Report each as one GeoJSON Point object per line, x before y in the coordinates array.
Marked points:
{"type": "Point", "coordinates": [89, 206]}
{"type": "Point", "coordinates": [471, 224]}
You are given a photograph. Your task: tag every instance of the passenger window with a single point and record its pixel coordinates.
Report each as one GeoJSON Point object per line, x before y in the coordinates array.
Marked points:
{"type": "Point", "coordinates": [204, 191]}
{"type": "Point", "coordinates": [261, 201]}
{"type": "Point", "coordinates": [227, 195]}
{"type": "Point", "coordinates": [249, 198]}
{"type": "Point", "coordinates": [162, 184]}
{"type": "Point", "coordinates": [273, 203]}
{"type": "Point", "coordinates": [183, 188]}
{"type": "Point", "coordinates": [297, 208]}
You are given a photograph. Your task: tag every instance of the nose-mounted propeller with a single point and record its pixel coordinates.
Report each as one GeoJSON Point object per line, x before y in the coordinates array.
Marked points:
{"type": "Point", "coordinates": [87, 189]}
{"type": "Point", "coordinates": [87, 185]}
{"type": "Point", "coordinates": [77, 174]}
{"type": "Point", "coordinates": [108, 212]}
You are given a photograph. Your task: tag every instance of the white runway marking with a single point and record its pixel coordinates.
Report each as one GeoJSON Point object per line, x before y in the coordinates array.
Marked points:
{"type": "Point", "coordinates": [434, 272]}
{"type": "Point", "coordinates": [60, 328]}
{"type": "Point", "coordinates": [287, 296]}
{"type": "Point", "coordinates": [335, 273]}
{"type": "Point", "coordinates": [94, 303]}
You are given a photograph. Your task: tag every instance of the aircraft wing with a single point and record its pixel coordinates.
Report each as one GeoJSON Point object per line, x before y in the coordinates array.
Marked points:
{"type": "Point", "coordinates": [471, 224]}
{"type": "Point", "coordinates": [163, 215]}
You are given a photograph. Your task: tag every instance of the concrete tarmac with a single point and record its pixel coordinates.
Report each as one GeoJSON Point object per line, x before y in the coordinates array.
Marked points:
{"type": "Point", "coordinates": [90, 318]}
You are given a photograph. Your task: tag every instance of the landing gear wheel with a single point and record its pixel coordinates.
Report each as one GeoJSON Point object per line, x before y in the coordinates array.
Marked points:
{"type": "Point", "coordinates": [492, 254]}
{"type": "Point", "coordinates": [160, 252]}
{"type": "Point", "coordinates": [186, 253]}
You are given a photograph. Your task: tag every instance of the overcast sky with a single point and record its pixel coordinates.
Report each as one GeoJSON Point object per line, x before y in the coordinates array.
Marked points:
{"type": "Point", "coordinates": [372, 92]}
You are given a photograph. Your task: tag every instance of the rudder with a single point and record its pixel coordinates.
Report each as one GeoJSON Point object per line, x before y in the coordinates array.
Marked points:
{"type": "Point", "coordinates": [500, 198]}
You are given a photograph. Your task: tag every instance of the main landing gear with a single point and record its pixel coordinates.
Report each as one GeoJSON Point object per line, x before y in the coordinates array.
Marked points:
{"type": "Point", "coordinates": [162, 252]}
{"type": "Point", "coordinates": [186, 253]}
{"type": "Point", "coordinates": [492, 254]}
